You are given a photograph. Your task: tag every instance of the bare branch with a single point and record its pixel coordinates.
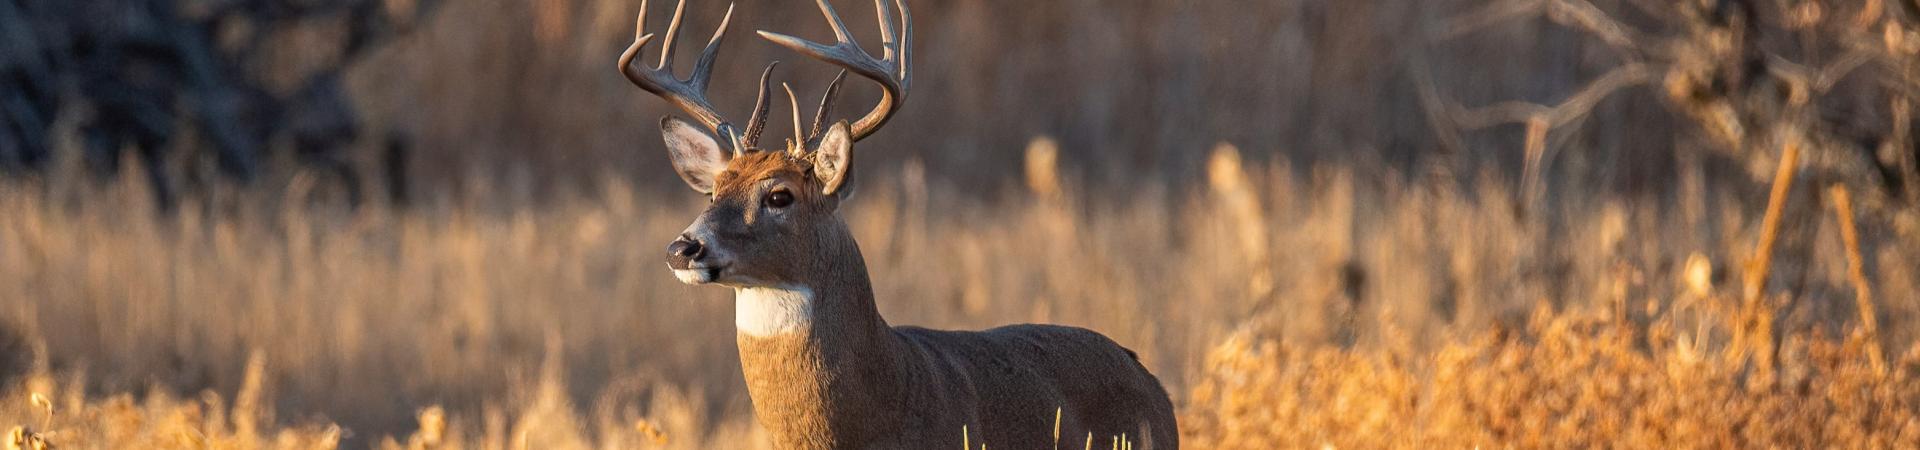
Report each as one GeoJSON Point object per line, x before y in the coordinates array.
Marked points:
{"type": "Point", "coordinates": [1437, 111]}
{"type": "Point", "coordinates": [1566, 112]}
{"type": "Point", "coordinates": [1833, 73]}
{"type": "Point", "coordinates": [1583, 16]}
{"type": "Point", "coordinates": [1577, 14]}
{"type": "Point", "coordinates": [1619, 78]}
{"type": "Point", "coordinates": [1490, 15]}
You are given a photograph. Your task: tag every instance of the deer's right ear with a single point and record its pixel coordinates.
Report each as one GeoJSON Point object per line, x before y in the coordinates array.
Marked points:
{"type": "Point", "coordinates": [695, 154]}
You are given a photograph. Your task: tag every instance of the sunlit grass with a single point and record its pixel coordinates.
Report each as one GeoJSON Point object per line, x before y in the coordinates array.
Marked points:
{"type": "Point", "coordinates": [1299, 307]}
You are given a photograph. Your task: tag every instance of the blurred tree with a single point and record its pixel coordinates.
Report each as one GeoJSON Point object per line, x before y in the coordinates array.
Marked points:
{"type": "Point", "coordinates": [145, 71]}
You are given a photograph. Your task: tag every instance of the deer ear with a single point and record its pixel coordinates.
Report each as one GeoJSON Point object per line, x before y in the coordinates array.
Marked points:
{"type": "Point", "coordinates": [695, 154]}
{"type": "Point", "coordinates": [832, 160]}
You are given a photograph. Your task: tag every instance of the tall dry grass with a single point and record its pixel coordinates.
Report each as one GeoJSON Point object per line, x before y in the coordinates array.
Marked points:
{"type": "Point", "coordinates": [1569, 380]}
{"type": "Point", "coordinates": [1338, 305]}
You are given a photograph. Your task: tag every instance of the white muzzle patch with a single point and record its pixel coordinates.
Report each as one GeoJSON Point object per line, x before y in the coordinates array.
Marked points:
{"type": "Point", "coordinates": [694, 276]}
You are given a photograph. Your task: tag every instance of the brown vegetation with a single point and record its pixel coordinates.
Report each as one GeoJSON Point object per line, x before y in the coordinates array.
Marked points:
{"type": "Point", "coordinates": [554, 322]}
{"type": "Point", "coordinates": [1570, 380]}
{"type": "Point", "coordinates": [1612, 265]}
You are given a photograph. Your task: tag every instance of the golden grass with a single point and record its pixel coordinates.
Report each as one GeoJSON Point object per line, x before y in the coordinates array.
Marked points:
{"type": "Point", "coordinates": [1563, 381]}
{"type": "Point", "coordinates": [1300, 308]}
{"type": "Point", "coordinates": [61, 415]}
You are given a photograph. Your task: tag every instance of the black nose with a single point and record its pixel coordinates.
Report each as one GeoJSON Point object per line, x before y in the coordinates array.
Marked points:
{"type": "Point", "coordinates": [684, 251]}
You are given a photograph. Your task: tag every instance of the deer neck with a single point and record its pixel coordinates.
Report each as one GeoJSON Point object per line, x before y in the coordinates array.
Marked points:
{"type": "Point", "coordinates": [817, 353]}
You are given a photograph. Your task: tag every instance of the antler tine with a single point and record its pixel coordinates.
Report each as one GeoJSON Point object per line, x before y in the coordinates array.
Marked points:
{"type": "Point", "coordinates": [891, 71]}
{"type": "Point", "coordinates": [794, 103]}
{"type": "Point", "coordinates": [703, 67]}
{"type": "Point", "coordinates": [689, 94]}
{"type": "Point", "coordinates": [886, 29]}
{"type": "Point", "coordinates": [904, 46]}
{"type": "Point", "coordinates": [840, 34]}
{"type": "Point", "coordinates": [826, 105]}
{"type": "Point", "coordinates": [640, 26]}
{"type": "Point", "coordinates": [758, 122]}
{"type": "Point", "coordinates": [673, 34]}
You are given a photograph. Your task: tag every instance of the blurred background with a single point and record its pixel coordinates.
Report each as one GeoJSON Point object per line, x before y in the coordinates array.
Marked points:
{"type": "Point", "coordinates": [523, 93]}
{"type": "Point", "coordinates": [363, 218]}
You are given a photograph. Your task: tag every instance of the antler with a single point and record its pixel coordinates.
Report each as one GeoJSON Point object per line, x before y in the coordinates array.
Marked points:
{"type": "Point", "coordinates": [826, 105]}
{"type": "Point", "coordinates": [690, 95]}
{"type": "Point", "coordinates": [891, 70]}
{"type": "Point", "coordinates": [758, 122]}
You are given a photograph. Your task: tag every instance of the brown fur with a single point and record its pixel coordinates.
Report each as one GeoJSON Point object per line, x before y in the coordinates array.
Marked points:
{"type": "Point", "coordinates": [852, 381]}
{"type": "Point", "coordinates": [743, 171]}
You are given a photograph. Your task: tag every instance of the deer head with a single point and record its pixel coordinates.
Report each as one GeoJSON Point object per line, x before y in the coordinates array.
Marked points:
{"type": "Point", "coordinates": [773, 211]}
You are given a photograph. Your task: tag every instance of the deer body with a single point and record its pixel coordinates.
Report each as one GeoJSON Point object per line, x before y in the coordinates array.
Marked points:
{"type": "Point", "coordinates": [918, 388]}
{"type": "Point", "coordinates": [845, 379]}
{"type": "Point", "coordinates": [822, 367]}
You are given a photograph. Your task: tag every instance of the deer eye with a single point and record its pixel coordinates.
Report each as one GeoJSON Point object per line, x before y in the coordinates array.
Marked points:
{"type": "Point", "coordinates": [779, 198]}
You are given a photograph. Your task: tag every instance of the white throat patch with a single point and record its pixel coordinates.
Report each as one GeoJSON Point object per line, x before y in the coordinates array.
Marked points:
{"type": "Point", "coordinates": [767, 312]}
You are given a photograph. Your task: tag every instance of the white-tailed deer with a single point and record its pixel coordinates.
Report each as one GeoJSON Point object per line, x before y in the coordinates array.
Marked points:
{"type": "Point", "coordinates": [823, 368]}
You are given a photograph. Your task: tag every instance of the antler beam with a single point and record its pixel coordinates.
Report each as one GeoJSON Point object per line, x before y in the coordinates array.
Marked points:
{"type": "Point", "coordinates": [892, 70]}
{"type": "Point", "coordinates": [690, 95]}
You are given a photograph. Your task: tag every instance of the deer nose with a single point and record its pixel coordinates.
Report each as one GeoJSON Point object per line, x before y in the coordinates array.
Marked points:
{"type": "Point", "coordinates": [684, 251]}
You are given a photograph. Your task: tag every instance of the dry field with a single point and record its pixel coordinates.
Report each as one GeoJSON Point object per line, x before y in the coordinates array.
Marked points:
{"type": "Point", "coordinates": [1450, 224]}
{"type": "Point", "coordinates": [1298, 307]}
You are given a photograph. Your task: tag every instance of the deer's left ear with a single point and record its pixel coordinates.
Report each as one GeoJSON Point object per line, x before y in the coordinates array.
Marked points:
{"type": "Point", "coordinates": [833, 159]}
